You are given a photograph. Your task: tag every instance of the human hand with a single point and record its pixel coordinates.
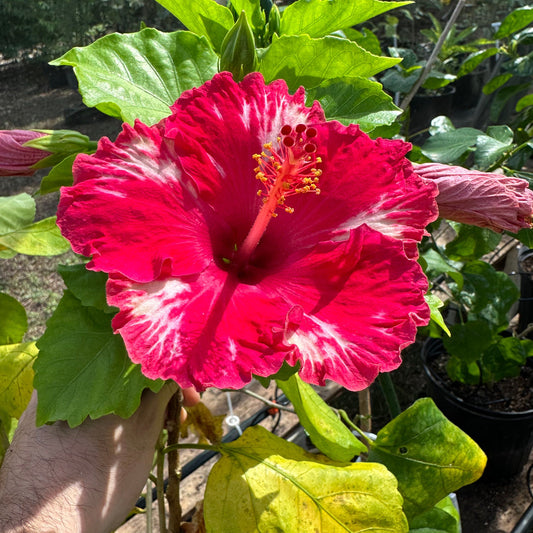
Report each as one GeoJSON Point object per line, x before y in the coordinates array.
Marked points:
{"type": "Point", "coordinates": [57, 479]}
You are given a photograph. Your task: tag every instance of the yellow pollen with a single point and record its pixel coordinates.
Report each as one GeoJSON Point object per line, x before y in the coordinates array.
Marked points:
{"type": "Point", "coordinates": [289, 167]}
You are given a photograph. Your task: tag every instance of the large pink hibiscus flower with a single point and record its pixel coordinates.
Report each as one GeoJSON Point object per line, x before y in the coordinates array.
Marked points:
{"type": "Point", "coordinates": [244, 230]}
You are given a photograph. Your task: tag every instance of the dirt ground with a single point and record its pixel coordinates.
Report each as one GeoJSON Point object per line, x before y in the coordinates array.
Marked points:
{"type": "Point", "coordinates": [27, 100]}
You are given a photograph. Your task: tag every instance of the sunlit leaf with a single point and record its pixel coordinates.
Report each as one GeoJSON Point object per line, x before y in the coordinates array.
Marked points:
{"type": "Point", "coordinates": [59, 176]}
{"type": "Point", "coordinates": [264, 483]}
{"type": "Point", "coordinates": [355, 100]}
{"type": "Point", "coordinates": [301, 60]}
{"type": "Point", "coordinates": [139, 75]}
{"type": "Point", "coordinates": [39, 238]}
{"type": "Point", "coordinates": [203, 17]}
{"type": "Point", "coordinates": [317, 18]}
{"type": "Point", "coordinates": [13, 320]}
{"type": "Point", "coordinates": [16, 377]}
{"type": "Point", "coordinates": [430, 456]}
{"type": "Point", "coordinates": [83, 369]}
{"type": "Point", "coordinates": [435, 303]}
{"type": "Point", "coordinates": [515, 21]}
{"type": "Point", "coordinates": [471, 242]}
{"type": "Point", "coordinates": [323, 426]}
{"type": "Point", "coordinates": [449, 146]}
{"type": "Point", "coordinates": [443, 518]}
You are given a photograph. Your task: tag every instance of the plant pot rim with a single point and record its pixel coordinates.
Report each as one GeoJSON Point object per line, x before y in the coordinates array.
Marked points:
{"type": "Point", "coordinates": [431, 349]}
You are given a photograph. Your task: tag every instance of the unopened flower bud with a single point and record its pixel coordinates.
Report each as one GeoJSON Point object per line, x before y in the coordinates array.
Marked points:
{"type": "Point", "coordinates": [16, 158]}
{"type": "Point", "coordinates": [274, 22]}
{"type": "Point", "coordinates": [238, 54]}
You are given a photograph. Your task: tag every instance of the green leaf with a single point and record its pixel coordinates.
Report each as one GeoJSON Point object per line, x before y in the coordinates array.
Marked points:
{"type": "Point", "coordinates": [40, 238]}
{"type": "Point", "coordinates": [87, 286]}
{"type": "Point", "coordinates": [430, 456]}
{"type": "Point", "coordinates": [203, 17]}
{"type": "Point", "coordinates": [525, 236]}
{"type": "Point", "coordinates": [443, 518]}
{"type": "Point", "coordinates": [524, 102]}
{"type": "Point", "coordinates": [436, 264]}
{"type": "Point", "coordinates": [364, 38]}
{"type": "Point", "coordinates": [13, 320]}
{"type": "Point", "coordinates": [490, 149]}
{"type": "Point", "coordinates": [471, 242]}
{"type": "Point", "coordinates": [355, 100]}
{"type": "Point", "coordinates": [502, 97]}
{"type": "Point", "coordinates": [263, 483]}
{"type": "Point", "coordinates": [449, 146]}
{"type": "Point", "coordinates": [441, 124]}
{"type": "Point", "coordinates": [19, 235]}
{"type": "Point", "coordinates": [474, 60]}
{"type": "Point", "coordinates": [83, 369]}
{"type": "Point", "coordinates": [496, 82]}
{"type": "Point", "coordinates": [435, 303]}
{"type": "Point", "coordinates": [505, 358]}
{"type": "Point", "coordinates": [301, 60]}
{"type": "Point", "coordinates": [468, 341]}
{"type": "Point", "coordinates": [59, 176]}
{"type": "Point", "coordinates": [16, 377]}
{"type": "Point", "coordinates": [325, 429]}
{"type": "Point", "coordinates": [514, 21]}
{"type": "Point", "coordinates": [317, 18]}
{"type": "Point", "coordinates": [139, 75]}
{"type": "Point", "coordinates": [487, 293]}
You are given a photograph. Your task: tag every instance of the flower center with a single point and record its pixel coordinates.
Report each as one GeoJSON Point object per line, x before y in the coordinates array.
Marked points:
{"type": "Point", "coordinates": [288, 169]}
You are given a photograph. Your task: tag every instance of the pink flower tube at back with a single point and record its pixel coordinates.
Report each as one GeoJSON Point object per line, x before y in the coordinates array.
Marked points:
{"type": "Point", "coordinates": [244, 231]}
{"type": "Point", "coordinates": [15, 158]}
{"type": "Point", "coordinates": [484, 199]}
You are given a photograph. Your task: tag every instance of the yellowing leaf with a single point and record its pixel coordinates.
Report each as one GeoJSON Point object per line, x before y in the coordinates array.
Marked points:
{"type": "Point", "coordinates": [16, 377]}
{"type": "Point", "coordinates": [264, 483]}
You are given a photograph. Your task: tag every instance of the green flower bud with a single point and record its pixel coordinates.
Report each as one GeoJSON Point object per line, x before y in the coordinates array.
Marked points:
{"type": "Point", "coordinates": [238, 53]}
{"type": "Point", "coordinates": [60, 144]}
{"type": "Point", "coordinates": [274, 22]}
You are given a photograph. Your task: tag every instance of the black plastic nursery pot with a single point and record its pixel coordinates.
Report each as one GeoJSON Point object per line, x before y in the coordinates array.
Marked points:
{"type": "Point", "coordinates": [425, 107]}
{"type": "Point", "coordinates": [506, 437]}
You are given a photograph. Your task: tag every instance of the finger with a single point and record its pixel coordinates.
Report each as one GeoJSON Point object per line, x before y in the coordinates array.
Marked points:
{"type": "Point", "coordinates": [190, 397]}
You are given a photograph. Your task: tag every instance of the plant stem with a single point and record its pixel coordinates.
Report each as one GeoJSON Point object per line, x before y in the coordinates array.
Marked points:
{"type": "Point", "coordinates": [389, 391]}
{"type": "Point", "coordinates": [433, 56]}
{"type": "Point", "coordinates": [365, 409]}
{"type": "Point", "coordinates": [160, 485]}
{"type": "Point", "coordinates": [174, 472]}
{"type": "Point", "coordinates": [148, 505]}
{"type": "Point", "coordinates": [362, 434]}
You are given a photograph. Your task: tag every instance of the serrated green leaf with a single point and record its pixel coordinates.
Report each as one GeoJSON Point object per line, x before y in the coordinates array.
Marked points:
{"type": "Point", "coordinates": [203, 17]}
{"type": "Point", "coordinates": [87, 286]}
{"type": "Point", "coordinates": [435, 303]}
{"type": "Point", "coordinates": [13, 320]}
{"type": "Point", "coordinates": [317, 18]}
{"type": "Point", "coordinates": [83, 369]}
{"type": "Point", "coordinates": [19, 235]}
{"type": "Point", "coordinates": [487, 293]}
{"type": "Point", "coordinates": [514, 21]}
{"type": "Point", "coordinates": [471, 242]}
{"type": "Point", "coordinates": [264, 483]}
{"type": "Point", "coordinates": [59, 176]}
{"type": "Point", "coordinates": [139, 75]}
{"type": "Point", "coordinates": [301, 60]}
{"type": "Point", "coordinates": [324, 427]}
{"type": "Point", "coordinates": [364, 38]}
{"type": "Point", "coordinates": [436, 264]}
{"type": "Point", "coordinates": [468, 341]}
{"type": "Point", "coordinates": [505, 358]}
{"type": "Point", "coordinates": [430, 456]}
{"type": "Point", "coordinates": [449, 146]}
{"type": "Point", "coordinates": [355, 101]}
{"type": "Point", "coordinates": [16, 377]}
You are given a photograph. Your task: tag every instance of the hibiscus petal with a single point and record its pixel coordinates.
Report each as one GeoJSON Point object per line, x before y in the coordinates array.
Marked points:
{"type": "Point", "coordinates": [130, 210]}
{"type": "Point", "coordinates": [484, 199]}
{"type": "Point", "coordinates": [361, 326]}
{"type": "Point", "coordinates": [218, 127]}
{"type": "Point", "coordinates": [200, 332]}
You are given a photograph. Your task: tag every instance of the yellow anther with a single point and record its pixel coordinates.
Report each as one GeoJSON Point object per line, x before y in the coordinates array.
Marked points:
{"type": "Point", "coordinates": [317, 191]}
{"type": "Point", "coordinates": [267, 146]}
{"type": "Point", "coordinates": [289, 210]}
{"type": "Point", "coordinates": [318, 160]}
{"type": "Point", "coordinates": [274, 215]}
{"type": "Point", "coordinates": [259, 192]}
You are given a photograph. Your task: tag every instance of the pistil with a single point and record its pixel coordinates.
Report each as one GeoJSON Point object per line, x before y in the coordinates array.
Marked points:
{"type": "Point", "coordinates": [289, 169]}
